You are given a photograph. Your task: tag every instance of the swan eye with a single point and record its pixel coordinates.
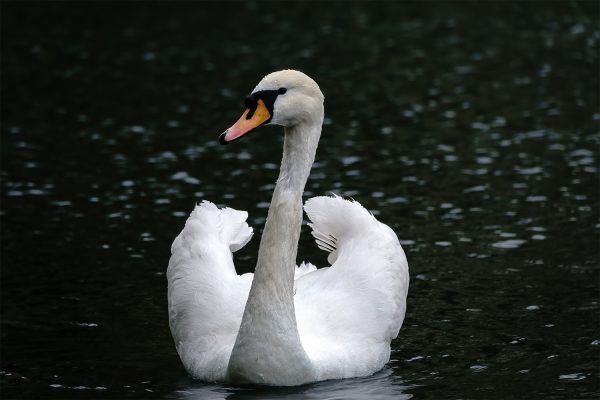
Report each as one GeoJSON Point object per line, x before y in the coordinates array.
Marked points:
{"type": "Point", "coordinates": [281, 90]}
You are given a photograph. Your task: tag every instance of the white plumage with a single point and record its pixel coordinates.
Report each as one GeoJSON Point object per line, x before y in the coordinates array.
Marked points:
{"type": "Point", "coordinates": [346, 314]}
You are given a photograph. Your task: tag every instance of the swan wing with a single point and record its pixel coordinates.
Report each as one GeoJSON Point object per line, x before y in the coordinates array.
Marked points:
{"type": "Point", "coordinates": [348, 314]}
{"type": "Point", "coordinates": [206, 296]}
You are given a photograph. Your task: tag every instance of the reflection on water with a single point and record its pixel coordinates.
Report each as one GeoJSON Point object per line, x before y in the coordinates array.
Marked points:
{"type": "Point", "coordinates": [472, 130]}
{"type": "Point", "coordinates": [382, 385]}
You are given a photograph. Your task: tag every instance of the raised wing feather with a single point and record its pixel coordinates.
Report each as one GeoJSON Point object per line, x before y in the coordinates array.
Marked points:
{"type": "Point", "coordinates": [206, 295]}
{"type": "Point", "coordinates": [352, 310]}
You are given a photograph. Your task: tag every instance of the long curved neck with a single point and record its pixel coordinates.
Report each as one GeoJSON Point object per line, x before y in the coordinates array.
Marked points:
{"type": "Point", "coordinates": [279, 244]}
{"type": "Point", "coordinates": [268, 348]}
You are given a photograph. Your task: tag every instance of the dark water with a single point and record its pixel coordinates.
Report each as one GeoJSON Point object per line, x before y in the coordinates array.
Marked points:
{"type": "Point", "coordinates": [471, 129]}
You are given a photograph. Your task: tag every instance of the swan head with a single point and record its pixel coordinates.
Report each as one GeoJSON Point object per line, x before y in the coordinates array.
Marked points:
{"type": "Point", "coordinates": [286, 98]}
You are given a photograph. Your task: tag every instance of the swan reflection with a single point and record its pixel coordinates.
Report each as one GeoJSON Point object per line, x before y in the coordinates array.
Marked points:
{"type": "Point", "coordinates": [382, 385]}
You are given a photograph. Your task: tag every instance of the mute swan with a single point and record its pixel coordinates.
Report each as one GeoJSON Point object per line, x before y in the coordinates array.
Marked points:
{"type": "Point", "coordinates": [286, 325]}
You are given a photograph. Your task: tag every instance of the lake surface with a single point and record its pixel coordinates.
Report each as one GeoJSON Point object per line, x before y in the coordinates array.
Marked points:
{"type": "Point", "coordinates": [471, 129]}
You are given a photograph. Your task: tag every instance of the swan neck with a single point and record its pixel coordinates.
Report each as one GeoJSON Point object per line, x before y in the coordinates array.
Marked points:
{"type": "Point", "coordinates": [268, 334]}
{"type": "Point", "coordinates": [279, 244]}
{"type": "Point", "coordinates": [299, 149]}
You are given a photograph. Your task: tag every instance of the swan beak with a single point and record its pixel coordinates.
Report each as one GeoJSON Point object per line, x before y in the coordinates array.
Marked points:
{"type": "Point", "coordinates": [250, 120]}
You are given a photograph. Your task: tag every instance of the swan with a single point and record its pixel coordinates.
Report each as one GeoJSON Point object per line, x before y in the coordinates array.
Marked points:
{"type": "Point", "coordinates": [286, 325]}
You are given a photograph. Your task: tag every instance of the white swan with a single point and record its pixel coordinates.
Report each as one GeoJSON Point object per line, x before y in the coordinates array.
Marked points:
{"type": "Point", "coordinates": [286, 325]}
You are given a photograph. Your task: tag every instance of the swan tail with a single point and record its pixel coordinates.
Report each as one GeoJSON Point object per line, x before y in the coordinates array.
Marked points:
{"type": "Point", "coordinates": [333, 219]}
{"type": "Point", "coordinates": [226, 224]}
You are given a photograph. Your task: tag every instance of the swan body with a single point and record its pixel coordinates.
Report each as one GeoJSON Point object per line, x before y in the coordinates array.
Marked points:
{"type": "Point", "coordinates": [286, 324]}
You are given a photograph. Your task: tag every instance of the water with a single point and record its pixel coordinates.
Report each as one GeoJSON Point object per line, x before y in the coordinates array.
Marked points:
{"type": "Point", "coordinates": [472, 130]}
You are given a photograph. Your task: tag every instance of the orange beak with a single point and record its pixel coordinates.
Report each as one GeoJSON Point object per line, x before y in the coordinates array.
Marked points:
{"type": "Point", "coordinates": [250, 120]}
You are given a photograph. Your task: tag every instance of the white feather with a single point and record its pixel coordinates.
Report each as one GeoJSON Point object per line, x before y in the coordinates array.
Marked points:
{"type": "Point", "coordinates": [347, 314]}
